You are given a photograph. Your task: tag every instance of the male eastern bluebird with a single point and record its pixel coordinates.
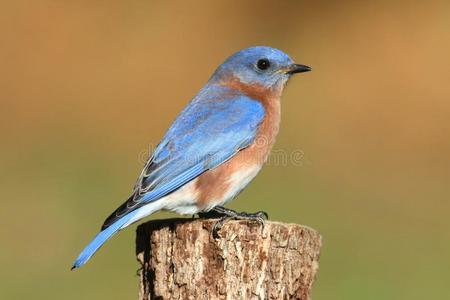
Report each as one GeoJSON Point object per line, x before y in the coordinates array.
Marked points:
{"type": "Point", "coordinates": [215, 147]}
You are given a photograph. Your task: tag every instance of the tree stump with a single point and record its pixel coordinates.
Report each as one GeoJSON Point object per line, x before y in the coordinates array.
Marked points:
{"type": "Point", "coordinates": [182, 260]}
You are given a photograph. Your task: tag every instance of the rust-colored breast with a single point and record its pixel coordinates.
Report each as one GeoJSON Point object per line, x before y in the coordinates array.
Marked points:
{"type": "Point", "coordinates": [214, 184]}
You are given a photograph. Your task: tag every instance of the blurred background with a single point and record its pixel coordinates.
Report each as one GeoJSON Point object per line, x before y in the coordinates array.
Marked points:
{"type": "Point", "coordinates": [88, 87]}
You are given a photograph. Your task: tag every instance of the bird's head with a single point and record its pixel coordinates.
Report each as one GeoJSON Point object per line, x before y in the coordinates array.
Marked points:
{"type": "Point", "coordinates": [264, 66]}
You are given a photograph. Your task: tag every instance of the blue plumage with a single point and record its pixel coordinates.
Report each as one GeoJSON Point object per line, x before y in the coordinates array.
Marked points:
{"type": "Point", "coordinates": [219, 122]}
{"type": "Point", "coordinates": [207, 133]}
{"type": "Point", "coordinates": [99, 240]}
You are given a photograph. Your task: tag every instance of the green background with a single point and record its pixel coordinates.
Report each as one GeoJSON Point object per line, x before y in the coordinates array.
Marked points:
{"type": "Point", "coordinates": [88, 87]}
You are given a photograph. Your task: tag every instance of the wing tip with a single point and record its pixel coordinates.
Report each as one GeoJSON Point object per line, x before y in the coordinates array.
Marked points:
{"type": "Point", "coordinates": [117, 214]}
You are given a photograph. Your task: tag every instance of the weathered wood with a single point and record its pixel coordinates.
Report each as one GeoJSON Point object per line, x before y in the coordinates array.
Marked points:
{"type": "Point", "coordinates": [181, 260]}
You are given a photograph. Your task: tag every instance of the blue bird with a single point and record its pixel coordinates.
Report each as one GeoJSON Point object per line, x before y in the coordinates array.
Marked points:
{"type": "Point", "coordinates": [215, 147]}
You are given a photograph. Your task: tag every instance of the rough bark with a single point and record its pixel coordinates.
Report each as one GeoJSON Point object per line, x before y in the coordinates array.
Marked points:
{"type": "Point", "coordinates": [181, 260]}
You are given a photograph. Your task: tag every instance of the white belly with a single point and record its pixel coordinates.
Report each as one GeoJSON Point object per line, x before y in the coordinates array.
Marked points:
{"type": "Point", "coordinates": [184, 200]}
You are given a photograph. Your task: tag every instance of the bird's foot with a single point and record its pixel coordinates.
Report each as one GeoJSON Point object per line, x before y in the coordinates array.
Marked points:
{"type": "Point", "coordinates": [209, 215]}
{"type": "Point", "coordinates": [229, 214]}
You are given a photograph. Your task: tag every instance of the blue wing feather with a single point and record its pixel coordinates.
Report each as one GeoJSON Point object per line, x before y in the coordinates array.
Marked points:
{"type": "Point", "coordinates": [206, 133]}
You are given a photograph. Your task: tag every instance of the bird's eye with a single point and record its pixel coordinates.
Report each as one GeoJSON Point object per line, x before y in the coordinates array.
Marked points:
{"type": "Point", "coordinates": [263, 64]}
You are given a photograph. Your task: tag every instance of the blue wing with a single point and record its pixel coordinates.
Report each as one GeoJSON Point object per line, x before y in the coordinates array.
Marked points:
{"type": "Point", "coordinates": [207, 133]}
{"type": "Point", "coordinates": [211, 129]}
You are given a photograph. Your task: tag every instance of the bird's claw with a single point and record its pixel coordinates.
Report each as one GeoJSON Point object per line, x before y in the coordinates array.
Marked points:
{"type": "Point", "coordinates": [259, 214]}
{"type": "Point", "coordinates": [218, 226]}
{"type": "Point", "coordinates": [228, 214]}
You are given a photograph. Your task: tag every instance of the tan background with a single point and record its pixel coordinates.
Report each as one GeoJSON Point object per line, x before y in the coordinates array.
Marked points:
{"type": "Point", "coordinates": [86, 87]}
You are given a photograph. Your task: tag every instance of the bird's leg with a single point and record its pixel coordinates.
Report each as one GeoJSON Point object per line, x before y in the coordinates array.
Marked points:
{"type": "Point", "coordinates": [242, 215]}
{"type": "Point", "coordinates": [223, 211]}
{"type": "Point", "coordinates": [228, 214]}
{"type": "Point", "coordinates": [209, 215]}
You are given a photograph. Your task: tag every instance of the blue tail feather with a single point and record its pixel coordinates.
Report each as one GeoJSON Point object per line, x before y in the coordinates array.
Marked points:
{"type": "Point", "coordinates": [100, 239]}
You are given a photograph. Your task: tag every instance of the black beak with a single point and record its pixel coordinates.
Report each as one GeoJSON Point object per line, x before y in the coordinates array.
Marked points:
{"type": "Point", "coordinates": [296, 68]}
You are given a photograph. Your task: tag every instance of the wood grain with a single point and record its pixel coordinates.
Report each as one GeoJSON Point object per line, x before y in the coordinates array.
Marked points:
{"type": "Point", "coordinates": [181, 260]}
